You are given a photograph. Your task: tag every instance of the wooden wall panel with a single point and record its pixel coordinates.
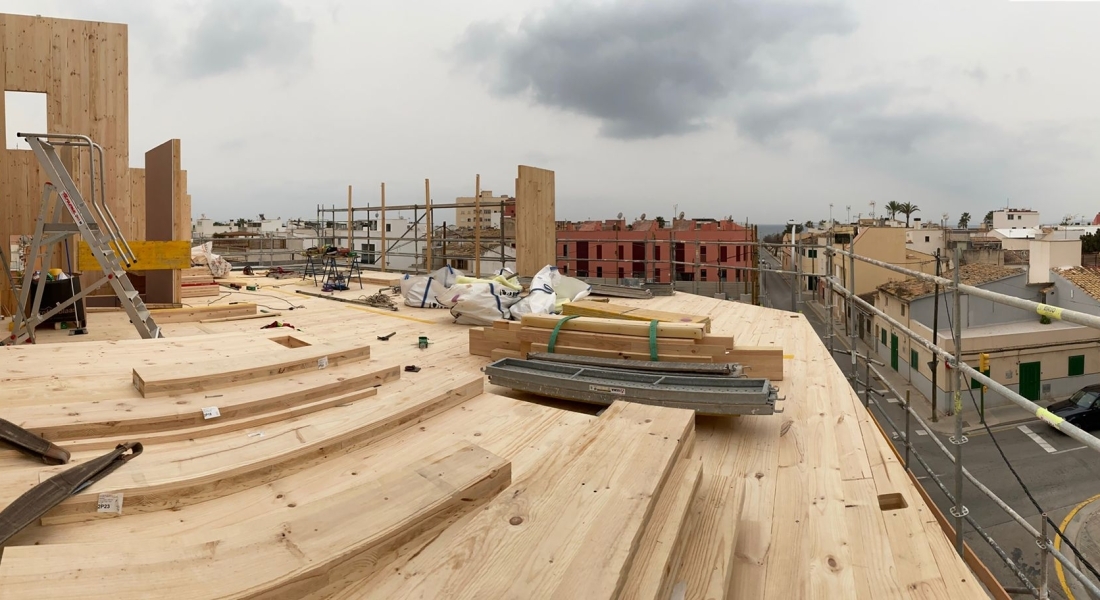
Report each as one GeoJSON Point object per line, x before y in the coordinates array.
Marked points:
{"type": "Point", "coordinates": [163, 210]}
{"type": "Point", "coordinates": [81, 66]}
{"type": "Point", "coordinates": [535, 220]}
{"type": "Point", "coordinates": [137, 202]}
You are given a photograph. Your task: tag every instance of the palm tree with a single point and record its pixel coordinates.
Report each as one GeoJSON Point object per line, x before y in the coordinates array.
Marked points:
{"type": "Point", "coordinates": [964, 221]}
{"type": "Point", "coordinates": [893, 207]}
{"type": "Point", "coordinates": [907, 209]}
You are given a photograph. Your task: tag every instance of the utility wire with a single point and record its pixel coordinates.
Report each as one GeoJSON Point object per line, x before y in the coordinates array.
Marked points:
{"type": "Point", "coordinates": [1015, 474]}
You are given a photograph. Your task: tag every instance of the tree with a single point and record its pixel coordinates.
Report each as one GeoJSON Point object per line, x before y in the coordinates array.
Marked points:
{"type": "Point", "coordinates": [1090, 243]}
{"type": "Point", "coordinates": [660, 222]}
{"type": "Point", "coordinates": [988, 220]}
{"type": "Point", "coordinates": [893, 207]}
{"type": "Point", "coordinates": [907, 209]}
{"type": "Point", "coordinates": [809, 224]}
{"type": "Point", "coordinates": [964, 221]}
{"type": "Point", "coordinates": [821, 224]}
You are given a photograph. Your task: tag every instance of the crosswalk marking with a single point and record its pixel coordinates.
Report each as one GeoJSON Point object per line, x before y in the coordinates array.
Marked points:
{"type": "Point", "coordinates": [1038, 440]}
{"type": "Point", "coordinates": [922, 432]}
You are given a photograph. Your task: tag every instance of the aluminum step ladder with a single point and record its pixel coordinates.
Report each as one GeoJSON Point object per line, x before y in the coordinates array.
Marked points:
{"type": "Point", "coordinates": [103, 236]}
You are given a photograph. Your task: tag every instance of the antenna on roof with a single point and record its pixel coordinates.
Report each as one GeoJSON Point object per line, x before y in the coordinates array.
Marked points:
{"type": "Point", "coordinates": [620, 217]}
{"type": "Point", "coordinates": [642, 218]}
{"type": "Point", "coordinates": [681, 215]}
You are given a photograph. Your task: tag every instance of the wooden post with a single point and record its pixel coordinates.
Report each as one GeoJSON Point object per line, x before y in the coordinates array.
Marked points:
{"type": "Point", "coordinates": [428, 222]}
{"type": "Point", "coordinates": [477, 225]}
{"type": "Point", "coordinates": [382, 228]}
{"type": "Point", "coordinates": [351, 224]}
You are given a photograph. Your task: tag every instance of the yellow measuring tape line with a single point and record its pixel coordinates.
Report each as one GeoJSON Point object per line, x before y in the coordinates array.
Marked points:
{"type": "Point", "coordinates": [1058, 545]}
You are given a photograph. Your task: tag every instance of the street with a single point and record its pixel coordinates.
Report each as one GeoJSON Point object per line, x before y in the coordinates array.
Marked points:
{"type": "Point", "coordinates": [1062, 475]}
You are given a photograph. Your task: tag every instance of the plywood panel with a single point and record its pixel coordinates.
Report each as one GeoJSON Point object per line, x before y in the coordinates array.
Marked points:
{"type": "Point", "coordinates": [535, 233]}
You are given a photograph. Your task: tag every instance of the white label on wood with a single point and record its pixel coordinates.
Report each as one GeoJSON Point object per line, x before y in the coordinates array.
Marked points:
{"type": "Point", "coordinates": [211, 412]}
{"type": "Point", "coordinates": [618, 391]}
{"type": "Point", "coordinates": [256, 434]}
{"type": "Point", "coordinates": [322, 362]}
{"type": "Point", "coordinates": [110, 503]}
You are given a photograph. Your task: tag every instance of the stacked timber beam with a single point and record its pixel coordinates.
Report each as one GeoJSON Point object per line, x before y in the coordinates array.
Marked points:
{"type": "Point", "coordinates": [591, 308]}
{"type": "Point", "coordinates": [197, 282]}
{"type": "Point", "coordinates": [676, 341]}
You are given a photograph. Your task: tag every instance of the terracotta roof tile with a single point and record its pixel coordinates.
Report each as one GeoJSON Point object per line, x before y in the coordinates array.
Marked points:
{"type": "Point", "coordinates": [1086, 278]}
{"type": "Point", "coordinates": [972, 274]}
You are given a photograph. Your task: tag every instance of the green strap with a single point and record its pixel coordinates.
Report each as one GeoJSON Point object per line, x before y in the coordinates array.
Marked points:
{"type": "Point", "coordinates": [653, 340]}
{"type": "Point", "coordinates": [554, 334]}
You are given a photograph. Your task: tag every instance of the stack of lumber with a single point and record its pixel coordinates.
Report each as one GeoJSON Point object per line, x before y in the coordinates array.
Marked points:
{"type": "Point", "coordinates": [197, 282]}
{"type": "Point", "coordinates": [590, 308]}
{"type": "Point", "coordinates": [618, 338]}
{"type": "Point", "coordinates": [212, 313]}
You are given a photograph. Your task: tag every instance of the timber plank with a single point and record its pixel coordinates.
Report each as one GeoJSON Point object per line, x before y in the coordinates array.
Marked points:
{"type": "Point", "coordinates": [657, 557]}
{"type": "Point", "coordinates": [571, 526]}
{"type": "Point", "coordinates": [182, 473]}
{"type": "Point", "coordinates": [616, 326]}
{"type": "Point", "coordinates": [208, 375]}
{"type": "Point", "coordinates": [262, 556]}
{"type": "Point", "coordinates": [197, 313]}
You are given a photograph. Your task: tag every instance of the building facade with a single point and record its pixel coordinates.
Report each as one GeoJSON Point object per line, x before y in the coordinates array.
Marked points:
{"type": "Point", "coordinates": [491, 210]}
{"type": "Point", "coordinates": [708, 251]}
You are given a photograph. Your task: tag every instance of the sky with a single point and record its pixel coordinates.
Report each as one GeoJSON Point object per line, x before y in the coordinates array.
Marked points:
{"type": "Point", "coordinates": [763, 111]}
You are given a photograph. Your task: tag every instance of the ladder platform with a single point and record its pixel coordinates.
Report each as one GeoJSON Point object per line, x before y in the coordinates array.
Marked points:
{"type": "Point", "coordinates": [720, 395]}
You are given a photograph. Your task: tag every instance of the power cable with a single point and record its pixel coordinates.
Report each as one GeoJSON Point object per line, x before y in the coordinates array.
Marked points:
{"type": "Point", "coordinates": [1012, 469]}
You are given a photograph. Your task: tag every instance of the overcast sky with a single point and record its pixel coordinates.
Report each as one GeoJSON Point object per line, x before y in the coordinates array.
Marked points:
{"type": "Point", "coordinates": [761, 110]}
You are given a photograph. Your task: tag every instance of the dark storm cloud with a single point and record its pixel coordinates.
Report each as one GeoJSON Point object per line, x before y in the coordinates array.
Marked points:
{"type": "Point", "coordinates": [235, 34]}
{"type": "Point", "coordinates": [645, 68]}
{"type": "Point", "coordinates": [861, 120]}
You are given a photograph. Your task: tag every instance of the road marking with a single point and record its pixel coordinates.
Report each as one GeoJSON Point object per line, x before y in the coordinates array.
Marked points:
{"type": "Point", "coordinates": [1037, 439]}
{"type": "Point", "coordinates": [1058, 545]}
{"type": "Point", "coordinates": [922, 432]}
{"type": "Point", "coordinates": [1070, 450]}
{"type": "Point", "coordinates": [892, 400]}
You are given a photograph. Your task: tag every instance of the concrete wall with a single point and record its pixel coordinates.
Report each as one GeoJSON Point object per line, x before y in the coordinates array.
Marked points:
{"type": "Point", "coordinates": [1068, 295]}
{"type": "Point", "coordinates": [924, 240]}
{"type": "Point", "coordinates": [1003, 219]}
{"type": "Point", "coordinates": [984, 256]}
{"type": "Point", "coordinates": [1046, 254]}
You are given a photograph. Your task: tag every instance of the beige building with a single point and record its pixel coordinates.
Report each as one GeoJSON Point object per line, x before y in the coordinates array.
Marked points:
{"type": "Point", "coordinates": [885, 244]}
{"type": "Point", "coordinates": [1041, 361]}
{"type": "Point", "coordinates": [465, 216]}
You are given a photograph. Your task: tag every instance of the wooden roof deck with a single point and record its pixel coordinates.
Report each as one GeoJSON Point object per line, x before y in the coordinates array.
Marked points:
{"type": "Point", "coordinates": [787, 506]}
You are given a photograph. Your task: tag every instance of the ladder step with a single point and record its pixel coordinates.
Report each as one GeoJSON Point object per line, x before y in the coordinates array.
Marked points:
{"type": "Point", "coordinates": [143, 314]}
{"type": "Point", "coordinates": [131, 294]}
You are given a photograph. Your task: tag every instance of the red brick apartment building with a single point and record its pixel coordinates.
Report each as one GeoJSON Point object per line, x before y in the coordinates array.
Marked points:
{"type": "Point", "coordinates": [691, 249]}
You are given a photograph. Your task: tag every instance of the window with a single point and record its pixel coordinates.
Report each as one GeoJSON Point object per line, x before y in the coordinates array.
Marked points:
{"type": "Point", "coordinates": [1011, 217]}
{"type": "Point", "coordinates": [914, 359]}
{"type": "Point", "coordinates": [599, 271]}
{"type": "Point", "coordinates": [702, 254]}
{"type": "Point", "coordinates": [565, 251]}
{"type": "Point", "coordinates": [702, 275]}
{"type": "Point", "coordinates": [620, 254]}
{"type": "Point", "coordinates": [927, 239]}
{"type": "Point", "coordinates": [903, 310]}
{"type": "Point", "coordinates": [738, 254]}
{"type": "Point", "coordinates": [1077, 365]}
{"type": "Point", "coordinates": [23, 111]}
{"type": "Point", "coordinates": [721, 274]}
{"type": "Point", "coordinates": [388, 226]}
{"type": "Point", "coordinates": [564, 269]}
{"type": "Point", "coordinates": [656, 274]}
{"type": "Point", "coordinates": [599, 252]}
{"type": "Point", "coordinates": [882, 335]}
{"type": "Point", "coordinates": [620, 272]}
{"type": "Point", "coordinates": [723, 253]}
{"type": "Point", "coordinates": [656, 252]}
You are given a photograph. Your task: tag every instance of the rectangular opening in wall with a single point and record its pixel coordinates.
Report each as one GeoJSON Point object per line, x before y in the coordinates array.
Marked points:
{"type": "Point", "coordinates": [24, 112]}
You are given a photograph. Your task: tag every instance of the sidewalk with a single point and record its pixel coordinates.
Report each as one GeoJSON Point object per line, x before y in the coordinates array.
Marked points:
{"type": "Point", "coordinates": [1001, 416]}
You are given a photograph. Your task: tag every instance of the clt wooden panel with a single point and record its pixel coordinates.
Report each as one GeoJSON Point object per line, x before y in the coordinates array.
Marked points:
{"type": "Point", "coordinates": [81, 67]}
{"type": "Point", "coordinates": [535, 220]}
{"type": "Point", "coordinates": [163, 206]}
{"type": "Point", "coordinates": [266, 556]}
{"type": "Point", "coordinates": [569, 528]}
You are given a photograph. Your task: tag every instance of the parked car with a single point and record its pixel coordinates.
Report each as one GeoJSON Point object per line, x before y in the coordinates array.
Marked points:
{"type": "Point", "coordinates": [1081, 409]}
